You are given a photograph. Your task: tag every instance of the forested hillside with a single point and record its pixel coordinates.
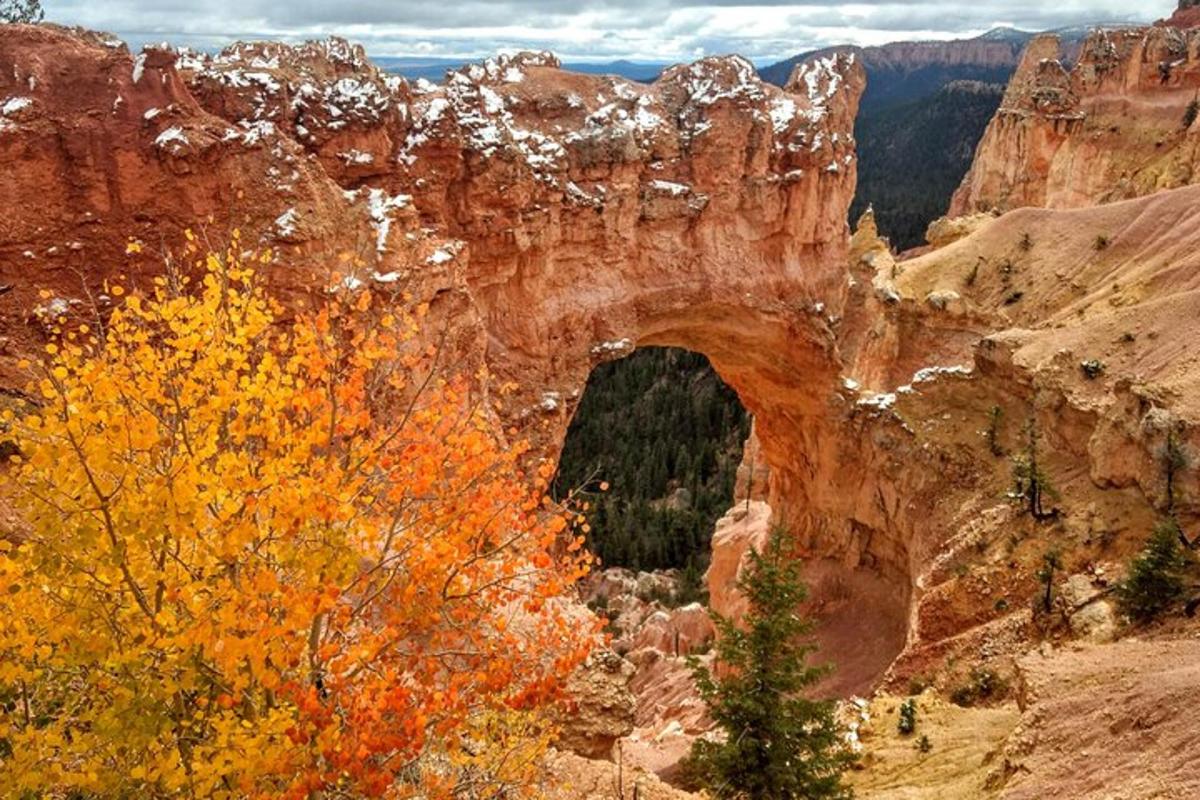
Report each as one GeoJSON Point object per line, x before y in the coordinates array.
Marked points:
{"type": "Point", "coordinates": [922, 115]}
{"type": "Point", "coordinates": [913, 156]}
{"type": "Point", "coordinates": [666, 434]}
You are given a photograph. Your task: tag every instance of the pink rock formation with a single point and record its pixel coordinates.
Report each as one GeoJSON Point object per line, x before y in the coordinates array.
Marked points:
{"type": "Point", "coordinates": [656, 639]}
{"type": "Point", "coordinates": [745, 526]}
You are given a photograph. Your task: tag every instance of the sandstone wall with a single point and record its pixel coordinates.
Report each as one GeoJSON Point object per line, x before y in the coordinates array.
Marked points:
{"type": "Point", "coordinates": [550, 220]}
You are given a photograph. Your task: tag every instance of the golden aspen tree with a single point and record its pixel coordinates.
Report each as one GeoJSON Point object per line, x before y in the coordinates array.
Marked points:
{"type": "Point", "coordinates": [258, 561]}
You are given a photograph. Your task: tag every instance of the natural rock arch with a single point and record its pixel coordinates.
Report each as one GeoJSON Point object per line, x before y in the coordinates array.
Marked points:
{"type": "Point", "coordinates": [549, 219]}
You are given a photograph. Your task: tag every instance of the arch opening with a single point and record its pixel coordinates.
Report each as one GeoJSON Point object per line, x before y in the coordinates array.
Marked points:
{"type": "Point", "coordinates": [664, 434]}
{"type": "Point", "coordinates": [804, 465]}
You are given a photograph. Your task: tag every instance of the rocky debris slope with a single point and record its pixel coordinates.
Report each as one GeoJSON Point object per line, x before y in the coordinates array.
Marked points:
{"type": "Point", "coordinates": [656, 634]}
{"type": "Point", "coordinates": [1076, 320]}
{"type": "Point", "coordinates": [577, 778]}
{"type": "Point", "coordinates": [1134, 738]}
{"type": "Point", "coordinates": [1118, 124]}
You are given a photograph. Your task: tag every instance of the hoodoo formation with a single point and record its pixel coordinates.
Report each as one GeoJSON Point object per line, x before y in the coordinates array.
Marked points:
{"type": "Point", "coordinates": [554, 220]}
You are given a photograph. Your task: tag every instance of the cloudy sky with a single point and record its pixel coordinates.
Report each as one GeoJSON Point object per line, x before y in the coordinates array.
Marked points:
{"type": "Point", "coordinates": [647, 30]}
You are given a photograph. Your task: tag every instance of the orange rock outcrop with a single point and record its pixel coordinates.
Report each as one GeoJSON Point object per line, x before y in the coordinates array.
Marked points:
{"type": "Point", "coordinates": [1116, 125]}
{"type": "Point", "coordinates": [550, 220]}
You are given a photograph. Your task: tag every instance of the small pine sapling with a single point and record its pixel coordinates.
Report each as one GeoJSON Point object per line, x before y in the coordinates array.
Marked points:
{"type": "Point", "coordinates": [1051, 563]}
{"type": "Point", "coordinates": [908, 717]}
{"type": "Point", "coordinates": [1031, 484]}
{"type": "Point", "coordinates": [1156, 576]}
{"type": "Point", "coordinates": [995, 415]}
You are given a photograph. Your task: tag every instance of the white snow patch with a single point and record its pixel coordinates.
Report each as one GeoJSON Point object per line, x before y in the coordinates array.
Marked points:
{"type": "Point", "coordinates": [380, 206]}
{"type": "Point", "coordinates": [783, 111]}
{"type": "Point", "coordinates": [880, 401]}
{"type": "Point", "coordinates": [351, 157]}
{"type": "Point", "coordinates": [14, 104]}
{"type": "Point", "coordinates": [139, 67]}
{"type": "Point", "coordinates": [579, 195]}
{"type": "Point", "coordinates": [252, 132]}
{"type": "Point", "coordinates": [440, 256]}
{"type": "Point", "coordinates": [932, 373]}
{"type": "Point", "coordinates": [285, 223]}
{"type": "Point", "coordinates": [174, 138]}
{"type": "Point", "coordinates": [671, 188]}
{"type": "Point", "coordinates": [646, 119]}
{"type": "Point", "coordinates": [617, 347]}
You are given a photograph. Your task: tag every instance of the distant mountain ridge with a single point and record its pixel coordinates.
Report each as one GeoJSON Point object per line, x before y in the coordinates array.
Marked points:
{"type": "Point", "coordinates": [924, 111]}
{"type": "Point", "coordinates": [901, 72]}
{"type": "Point", "coordinates": [435, 68]}
{"type": "Point", "coordinates": [998, 50]}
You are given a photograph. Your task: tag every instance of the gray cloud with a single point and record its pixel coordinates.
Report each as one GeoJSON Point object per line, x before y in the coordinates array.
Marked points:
{"type": "Point", "coordinates": [659, 30]}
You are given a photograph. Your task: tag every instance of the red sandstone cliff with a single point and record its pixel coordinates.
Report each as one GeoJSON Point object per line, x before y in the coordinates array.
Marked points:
{"type": "Point", "coordinates": [1115, 126]}
{"type": "Point", "coordinates": [552, 220]}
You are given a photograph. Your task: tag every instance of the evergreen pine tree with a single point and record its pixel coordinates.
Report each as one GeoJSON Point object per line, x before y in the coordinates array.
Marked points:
{"type": "Point", "coordinates": [1030, 481]}
{"type": "Point", "coordinates": [1051, 562]}
{"type": "Point", "coordinates": [779, 745]}
{"type": "Point", "coordinates": [1175, 460]}
{"type": "Point", "coordinates": [1156, 576]}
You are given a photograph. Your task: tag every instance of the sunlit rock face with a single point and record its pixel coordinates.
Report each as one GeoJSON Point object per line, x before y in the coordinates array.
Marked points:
{"type": "Point", "coordinates": [1115, 125]}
